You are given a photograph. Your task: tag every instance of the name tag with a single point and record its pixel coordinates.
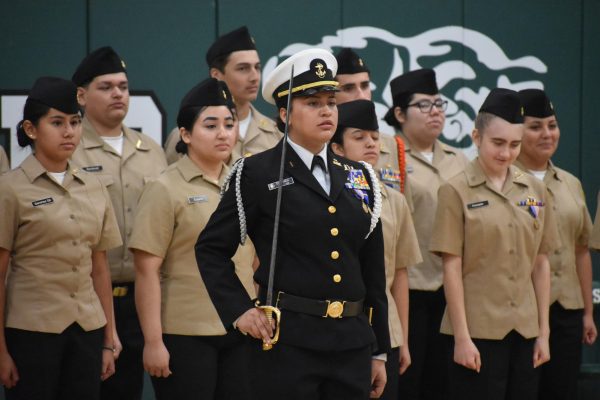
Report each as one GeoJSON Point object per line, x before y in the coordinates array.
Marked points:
{"type": "Point", "coordinates": [197, 199]}
{"type": "Point", "coordinates": [47, 200]}
{"type": "Point", "coordinates": [479, 204]}
{"type": "Point", "coordinates": [286, 182]}
{"type": "Point", "coordinates": [93, 168]}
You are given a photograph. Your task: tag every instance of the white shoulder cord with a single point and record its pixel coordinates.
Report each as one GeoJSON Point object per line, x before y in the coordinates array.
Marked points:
{"type": "Point", "coordinates": [376, 213]}
{"type": "Point", "coordinates": [237, 170]}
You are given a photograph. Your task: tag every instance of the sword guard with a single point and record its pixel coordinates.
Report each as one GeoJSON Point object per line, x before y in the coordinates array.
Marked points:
{"type": "Point", "coordinates": [271, 312]}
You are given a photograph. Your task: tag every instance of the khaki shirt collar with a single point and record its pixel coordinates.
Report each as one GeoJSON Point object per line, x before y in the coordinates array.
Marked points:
{"type": "Point", "coordinates": [33, 169]}
{"type": "Point", "coordinates": [189, 170]}
{"type": "Point", "coordinates": [90, 138]}
{"type": "Point", "coordinates": [552, 171]}
{"type": "Point", "coordinates": [475, 176]}
{"type": "Point", "coordinates": [439, 151]}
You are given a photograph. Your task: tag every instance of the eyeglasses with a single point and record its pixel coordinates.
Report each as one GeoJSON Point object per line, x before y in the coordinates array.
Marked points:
{"type": "Point", "coordinates": [426, 106]}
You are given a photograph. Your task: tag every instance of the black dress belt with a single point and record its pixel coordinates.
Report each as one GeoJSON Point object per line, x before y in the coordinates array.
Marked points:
{"type": "Point", "coordinates": [320, 308]}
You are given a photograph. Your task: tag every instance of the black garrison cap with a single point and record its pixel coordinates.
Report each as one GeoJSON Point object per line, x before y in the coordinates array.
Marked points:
{"type": "Point", "coordinates": [536, 103]}
{"type": "Point", "coordinates": [359, 114]}
{"type": "Point", "coordinates": [504, 103]}
{"type": "Point", "coordinates": [349, 62]}
{"type": "Point", "coordinates": [57, 93]}
{"type": "Point", "coordinates": [226, 44]}
{"type": "Point", "coordinates": [101, 61]}
{"type": "Point", "coordinates": [209, 92]}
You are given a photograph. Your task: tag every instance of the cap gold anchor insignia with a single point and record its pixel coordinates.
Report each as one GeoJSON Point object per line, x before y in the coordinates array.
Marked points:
{"type": "Point", "coordinates": [319, 70]}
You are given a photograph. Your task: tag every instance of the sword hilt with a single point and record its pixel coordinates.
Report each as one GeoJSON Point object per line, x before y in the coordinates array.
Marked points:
{"type": "Point", "coordinates": [271, 312]}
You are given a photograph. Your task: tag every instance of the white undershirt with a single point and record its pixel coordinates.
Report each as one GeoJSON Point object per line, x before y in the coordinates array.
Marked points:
{"type": "Point", "coordinates": [116, 142]}
{"type": "Point", "coordinates": [58, 176]}
{"type": "Point", "coordinates": [428, 156]}
{"type": "Point", "coordinates": [307, 157]}
{"type": "Point", "coordinates": [538, 174]}
{"type": "Point", "coordinates": [244, 124]}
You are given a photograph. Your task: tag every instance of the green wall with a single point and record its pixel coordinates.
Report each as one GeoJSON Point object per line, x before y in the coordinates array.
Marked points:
{"type": "Point", "coordinates": [554, 42]}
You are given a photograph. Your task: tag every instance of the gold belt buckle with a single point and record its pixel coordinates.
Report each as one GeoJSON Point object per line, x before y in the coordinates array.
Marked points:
{"type": "Point", "coordinates": [335, 309]}
{"type": "Point", "coordinates": [120, 291]}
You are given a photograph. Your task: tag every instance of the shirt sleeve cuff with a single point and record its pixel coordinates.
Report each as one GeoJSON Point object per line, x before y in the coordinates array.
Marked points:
{"type": "Point", "coordinates": [381, 357]}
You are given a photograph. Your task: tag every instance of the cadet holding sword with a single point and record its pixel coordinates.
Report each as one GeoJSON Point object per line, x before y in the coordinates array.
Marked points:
{"type": "Point", "coordinates": [326, 341]}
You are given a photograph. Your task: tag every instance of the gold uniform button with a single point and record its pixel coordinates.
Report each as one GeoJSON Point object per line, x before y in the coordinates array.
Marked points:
{"type": "Point", "coordinates": [248, 154]}
{"type": "Point", "coordinates": [331, 209]}
{"type": "Point", "coordinates": [334, 231]}
{"type": "Point", "coordinates": [337, 278]}
{"type": "Point", "coordinates": [335, 255]}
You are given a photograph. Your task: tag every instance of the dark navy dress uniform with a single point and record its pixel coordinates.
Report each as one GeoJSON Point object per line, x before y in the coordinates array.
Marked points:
{"type": "Point", "coordinates": [322, 253]}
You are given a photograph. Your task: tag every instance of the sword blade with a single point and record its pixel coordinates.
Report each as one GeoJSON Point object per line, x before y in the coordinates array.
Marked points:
{"type": "Point", "coordinates": [269, 299]}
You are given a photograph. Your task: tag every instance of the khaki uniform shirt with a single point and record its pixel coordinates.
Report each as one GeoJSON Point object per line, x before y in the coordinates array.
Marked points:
{"type": "Point", "coordinates": [401, 249]}
{"type": "Point", "coordinates": [422, 183]}
{"type": "Point", "coordinates": [574, 226]}
{"type": "Point", "coordinates": [498, 241]}
{"type": "Point", "coordinates": [387, 167]}
{"type": "Point", "coordinates": [595, 238]}
{"type": "Point", "coordinates": [51, 231]}
{"type": "Point", "coordinates": [262, 134]}
{"type": "Point", "coordinates": [172, 212]}
{"type": "Point", "coordinates": [124, 176]}
{"type": "Point", "coordinates": [4, 165]}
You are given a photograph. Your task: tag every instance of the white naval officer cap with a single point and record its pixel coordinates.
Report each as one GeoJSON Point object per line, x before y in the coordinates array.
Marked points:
{"type": "Point", "coordinates": [314, 70]}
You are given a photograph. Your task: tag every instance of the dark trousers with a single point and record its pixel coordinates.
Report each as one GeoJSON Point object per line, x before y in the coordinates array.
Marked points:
{"type": "Point", "coordinates": [205, 368]}
{"type": "Point", "coordinates": [293, 373]}
{"type": "Point", "coordinates": [392, 370]}
{"type": "Point", "coordinates": [56, 366]}
{"type": "Point", "coordinates": [128, 381]}
{"type": "Point", "coordinates": [426, 378]}
{"type": "Point", "coordinates": [506, 373]}
{"type": "Point", "coordinates": [558, 377]}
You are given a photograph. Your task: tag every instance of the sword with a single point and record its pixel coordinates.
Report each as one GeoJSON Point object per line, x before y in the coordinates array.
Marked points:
{"type": "Point", "coordinates": [268, 308]}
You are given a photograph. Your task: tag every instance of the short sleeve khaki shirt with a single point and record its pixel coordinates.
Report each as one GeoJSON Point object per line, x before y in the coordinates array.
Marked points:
{"type": "Point", "coordinates": [51, 231]}
{"type": "Point", "coordinates": [124, 176]}
{"type": "Point", "coordinates": [574, 227]}
{"type": "Point", "coordinates": [172, 212]}
{"type": "Point", "coordinates": [401, 249]}
{"type": "Point", "coordinates": [498, 238]}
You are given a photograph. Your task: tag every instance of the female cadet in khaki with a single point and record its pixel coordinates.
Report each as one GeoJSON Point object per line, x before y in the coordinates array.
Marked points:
{"type": "Point", "coordinates": [494, 227]}
{"type": "Point", "coordinates": [4, 165]}
{"type": "Point", "coordinates": [187, 350]}
{"type": "Point", "coordinates": [57, 223]}
{"type": "Point", "coordinates": [571, 310]}
{"type": "Point", "coordinates": [418, 112]}
{"type": "Point", "coordinates": [125, 160]}
{"type": "Point", "coordinates": [357, 139]}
